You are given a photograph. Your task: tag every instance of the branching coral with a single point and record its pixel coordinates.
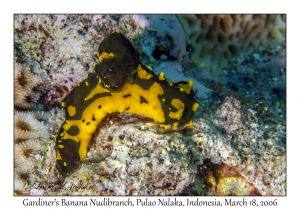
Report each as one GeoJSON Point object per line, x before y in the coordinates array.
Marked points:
{"type": "Point", "coordinates": [217, 39]}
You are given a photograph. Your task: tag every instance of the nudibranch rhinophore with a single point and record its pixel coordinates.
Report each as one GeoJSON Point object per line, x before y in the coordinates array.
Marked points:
{"type": "Point", "coordinates": [121, 83]}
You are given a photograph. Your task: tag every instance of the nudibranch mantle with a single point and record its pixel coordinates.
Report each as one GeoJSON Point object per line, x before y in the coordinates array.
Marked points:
{"type": "Point", "coordinates": [121, 83]}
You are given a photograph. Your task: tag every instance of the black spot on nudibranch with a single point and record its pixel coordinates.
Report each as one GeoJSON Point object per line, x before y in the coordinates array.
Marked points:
{"type": "Point", "coordinates": [143, 100]}
{"type": "Point", "coordinates": [73, 130]}
{"type": "Point", "coordinates": [126, 96]}
{"type": "Point", "coordinates": [99, 107]}
{"type": "Point", "coordinates": [93, 118]}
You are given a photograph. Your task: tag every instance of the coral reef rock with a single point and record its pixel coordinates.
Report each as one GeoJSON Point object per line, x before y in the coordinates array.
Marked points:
{"type": "Point", "coordinates": [165, 26]}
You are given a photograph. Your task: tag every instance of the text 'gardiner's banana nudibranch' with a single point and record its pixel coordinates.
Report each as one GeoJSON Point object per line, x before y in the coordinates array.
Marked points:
{"type": "Point", "coordinates": [120, 84]}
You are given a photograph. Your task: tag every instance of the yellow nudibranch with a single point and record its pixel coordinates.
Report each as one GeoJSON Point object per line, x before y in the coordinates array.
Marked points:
{"type": "Point", "coordinates": [120, 84]}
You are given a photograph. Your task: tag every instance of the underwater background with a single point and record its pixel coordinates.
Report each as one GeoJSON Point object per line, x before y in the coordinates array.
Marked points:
{"type": "Point", "coordinates": [235, 146]}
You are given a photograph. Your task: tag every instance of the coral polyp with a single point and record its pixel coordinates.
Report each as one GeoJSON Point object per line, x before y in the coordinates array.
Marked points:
{"type": "Point", "coordinates": [141, 105]}
{"type": "Point", "coordinates": [25, 80]}
{"type": "Point", "coordinates": [25, 152]}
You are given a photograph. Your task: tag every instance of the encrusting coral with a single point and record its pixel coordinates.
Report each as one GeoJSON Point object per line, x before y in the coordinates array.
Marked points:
{"type": "Point", "coordinates": [215, 40]}
{"type": "Point", "coordinates": [220, 179]}
{"type": "Point", "coordinates": [225, 180]}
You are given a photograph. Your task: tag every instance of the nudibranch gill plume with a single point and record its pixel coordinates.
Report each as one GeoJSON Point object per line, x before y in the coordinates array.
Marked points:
{"type": "Point", "coordinates": [120, 83]}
